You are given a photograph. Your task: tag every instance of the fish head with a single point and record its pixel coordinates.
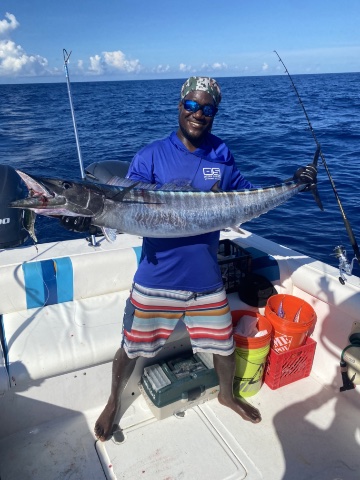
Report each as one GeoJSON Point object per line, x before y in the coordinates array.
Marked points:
{"type": "Point", "coordinates": [52, 196]}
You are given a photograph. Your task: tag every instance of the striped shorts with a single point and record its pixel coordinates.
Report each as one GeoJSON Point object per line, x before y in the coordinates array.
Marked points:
{"type": "Point", "coordinates": [152, 314]}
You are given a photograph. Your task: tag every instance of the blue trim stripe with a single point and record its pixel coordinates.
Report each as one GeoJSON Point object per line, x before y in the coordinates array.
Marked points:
{"type": "Point", "coordinates": [138, 251]}
{"type": "Point", "coordinates": [34, 284]}
{"type": "Point", "coordinates": [65, 279]}
{"type": "Point", "coordinates": [48, 282]}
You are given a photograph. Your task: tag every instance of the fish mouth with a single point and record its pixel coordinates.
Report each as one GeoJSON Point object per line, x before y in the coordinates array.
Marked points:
{"type": "Point", "coordinates": [36, 186]}
{"type": "Point", "coordinates": [42, 193]}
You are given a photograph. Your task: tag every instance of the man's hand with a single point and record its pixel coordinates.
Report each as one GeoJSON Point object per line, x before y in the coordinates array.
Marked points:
{"type": "Point", "coordinates": [306, 175]}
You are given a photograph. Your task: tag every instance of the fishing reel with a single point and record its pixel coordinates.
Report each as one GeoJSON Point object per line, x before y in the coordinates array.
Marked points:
{"type": "Point", "coordinates": [345, 267]}
{"type": "Point", "coordinates": [350, 360]}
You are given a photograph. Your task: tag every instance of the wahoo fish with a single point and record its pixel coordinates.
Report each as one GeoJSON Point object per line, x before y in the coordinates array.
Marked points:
{"type": "Point", "coordinates": [143, 209]}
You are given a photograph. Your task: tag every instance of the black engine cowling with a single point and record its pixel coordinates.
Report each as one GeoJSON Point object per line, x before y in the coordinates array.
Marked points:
{"type": "Point", "coordinates": [104, 171]}
{"type": "Point", "coordinates": [12, 231]}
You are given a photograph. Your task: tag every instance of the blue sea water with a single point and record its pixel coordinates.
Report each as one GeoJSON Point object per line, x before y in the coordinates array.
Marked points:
{"type": "Point", "coordinates": [260, 118]}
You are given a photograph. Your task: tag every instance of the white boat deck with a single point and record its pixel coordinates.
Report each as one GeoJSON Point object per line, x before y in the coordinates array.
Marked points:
{"type": "Point", "coordinates": [308, 431]}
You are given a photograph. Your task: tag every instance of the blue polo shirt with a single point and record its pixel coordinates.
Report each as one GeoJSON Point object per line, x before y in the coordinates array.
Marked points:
{"type": "Point", "coordinates": [186, 263]}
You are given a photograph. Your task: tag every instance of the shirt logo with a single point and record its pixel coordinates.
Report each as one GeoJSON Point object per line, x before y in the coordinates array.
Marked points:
{"type": "Point", "coordinates": [212, 173]}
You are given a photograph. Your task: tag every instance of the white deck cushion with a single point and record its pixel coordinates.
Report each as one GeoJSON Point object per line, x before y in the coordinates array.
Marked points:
{"type": "Point", "coordinates": [57, 339]}
{"type": "Point", "coordinates": [12, 293]}
{"type": "Point", "coordinates": [63, 314]}
{"type": "Point", "coordinates": [46, 282]}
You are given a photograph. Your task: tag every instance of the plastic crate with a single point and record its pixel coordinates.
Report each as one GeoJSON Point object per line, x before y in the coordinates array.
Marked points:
{"type": "Point", "coordinates": [234, 263]}
{"type": "Point", "coordinates": [288, 367]}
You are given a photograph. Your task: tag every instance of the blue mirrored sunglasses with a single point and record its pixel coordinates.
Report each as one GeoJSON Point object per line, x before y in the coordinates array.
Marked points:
{"type": "Point", "coordinates": [192, 106]}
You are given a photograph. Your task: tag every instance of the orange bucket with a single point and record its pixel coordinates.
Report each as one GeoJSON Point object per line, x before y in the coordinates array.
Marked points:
{"type": "Point", "coordinates": [262, 324]}
{"type": "Point", "coordinates": [293, 320]}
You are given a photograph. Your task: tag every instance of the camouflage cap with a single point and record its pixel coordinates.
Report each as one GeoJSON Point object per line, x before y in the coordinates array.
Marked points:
{"type": "Point", "coordinates": [205, 84]}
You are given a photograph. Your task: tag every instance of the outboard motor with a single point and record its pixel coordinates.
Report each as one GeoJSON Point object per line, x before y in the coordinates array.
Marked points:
{"type": "Point", "coordinates": [104, 171]}
{"type": "Point", "coordinates": [12, 231]}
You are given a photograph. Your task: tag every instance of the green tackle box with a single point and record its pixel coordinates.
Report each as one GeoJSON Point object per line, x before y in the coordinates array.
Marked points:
{"type": "Point", "coordinates": [181, 382]}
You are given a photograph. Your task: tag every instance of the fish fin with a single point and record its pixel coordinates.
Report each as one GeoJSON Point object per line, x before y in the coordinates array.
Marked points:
{"type": "Point", "coordinates": [237, 230]}
{"type": "Point", "coordinates": [216, 187]}
{"type": "Point", "coordinates": [128, 183]}
{"type": "Point", "coordinates": [119, 182]}
{"type": "Point", "coordinates": [315, 193]}
{"type": "Point", "coordinates": [29, 224]}
{"type": "Point", "coordinates": [176, 187]}
{"type": "Point", "coordinates": [109, 234]}
{"type": "Point", "coordinates": [119, 195]}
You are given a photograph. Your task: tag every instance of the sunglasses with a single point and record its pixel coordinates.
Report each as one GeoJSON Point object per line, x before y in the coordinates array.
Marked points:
{"type": "Point", "coordinates": [192, 106]}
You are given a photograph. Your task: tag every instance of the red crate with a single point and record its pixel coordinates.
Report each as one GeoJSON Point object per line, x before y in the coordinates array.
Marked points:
{"type": "Point", "coordinates": [288, 367]}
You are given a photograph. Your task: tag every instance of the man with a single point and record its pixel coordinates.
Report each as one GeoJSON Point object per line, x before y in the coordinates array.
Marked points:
{"type": "Point", "coordinates": [180, 277]}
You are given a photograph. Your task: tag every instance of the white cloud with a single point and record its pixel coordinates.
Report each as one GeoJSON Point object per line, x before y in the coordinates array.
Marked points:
{"type": "Point", "coordinates": [15, 61]}
{"type": "Point", "coordinates": [96, 65]}
{"type": "Point", "coordinates": [13, 58]}
{"type": "Point", "coordinates": [8, 25]}
{"type": "Point", "coordinates": [264, 67]}
{"type": "Point", "coordinates": [219, 66]}
{"type": "Point", "coordinates": [184, 68]}
{"type": "Point", "coordinates": [112, 62]}
{"type": "Point", "coordinates": [117, 60]}
{"type": "Point", "coordinates": [162, 68]}
{"type": "Point", "coordinates": [214, 66]}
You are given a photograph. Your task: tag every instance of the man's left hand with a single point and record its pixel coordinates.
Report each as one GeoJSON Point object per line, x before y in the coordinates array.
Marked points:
{"type": "Point", "coordinates": [306, 175]}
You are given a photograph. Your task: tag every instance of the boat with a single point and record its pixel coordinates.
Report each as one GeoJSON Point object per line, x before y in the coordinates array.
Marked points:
{"type": "Point", "coordinates": [61, 306]}
{"type": "Point", "coordinates": [61, 310]}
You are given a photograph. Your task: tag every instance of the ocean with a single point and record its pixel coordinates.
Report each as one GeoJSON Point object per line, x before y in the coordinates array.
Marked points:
{"type": "Point", "coordinates": [260, 119]}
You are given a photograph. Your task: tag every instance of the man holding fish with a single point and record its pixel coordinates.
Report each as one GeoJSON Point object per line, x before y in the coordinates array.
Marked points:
{"type": "Point", "coordinates": [179, 278]}
{"type": "Point", "coordinates": [179, 193]}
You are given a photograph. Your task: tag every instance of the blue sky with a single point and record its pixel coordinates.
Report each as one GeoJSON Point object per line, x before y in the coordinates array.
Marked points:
{"type": "Point", "coordinates": [138, 39]}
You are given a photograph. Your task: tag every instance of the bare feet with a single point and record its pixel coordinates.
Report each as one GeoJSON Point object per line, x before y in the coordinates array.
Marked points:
{"type": "Point", "coordinates": [241, 407]}
{"type": "Point", "coordinates": [122, 369]}
{"type": "Point", "coordinates": [104, 425]}
{"type": "Point", "coordinates": [225, 369]}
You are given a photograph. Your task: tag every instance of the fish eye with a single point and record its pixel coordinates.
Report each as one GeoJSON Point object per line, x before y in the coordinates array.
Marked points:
{"type": "Point", "coordinates": [66, 185]}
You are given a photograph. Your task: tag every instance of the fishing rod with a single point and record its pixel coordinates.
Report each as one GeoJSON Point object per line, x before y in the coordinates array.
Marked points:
{"type": "Point", "coordinates": [344, 265]}
{"type": "Point", "coordinates": [66, 59]}
{"type": "Point", "coordinates": [66, 55]}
